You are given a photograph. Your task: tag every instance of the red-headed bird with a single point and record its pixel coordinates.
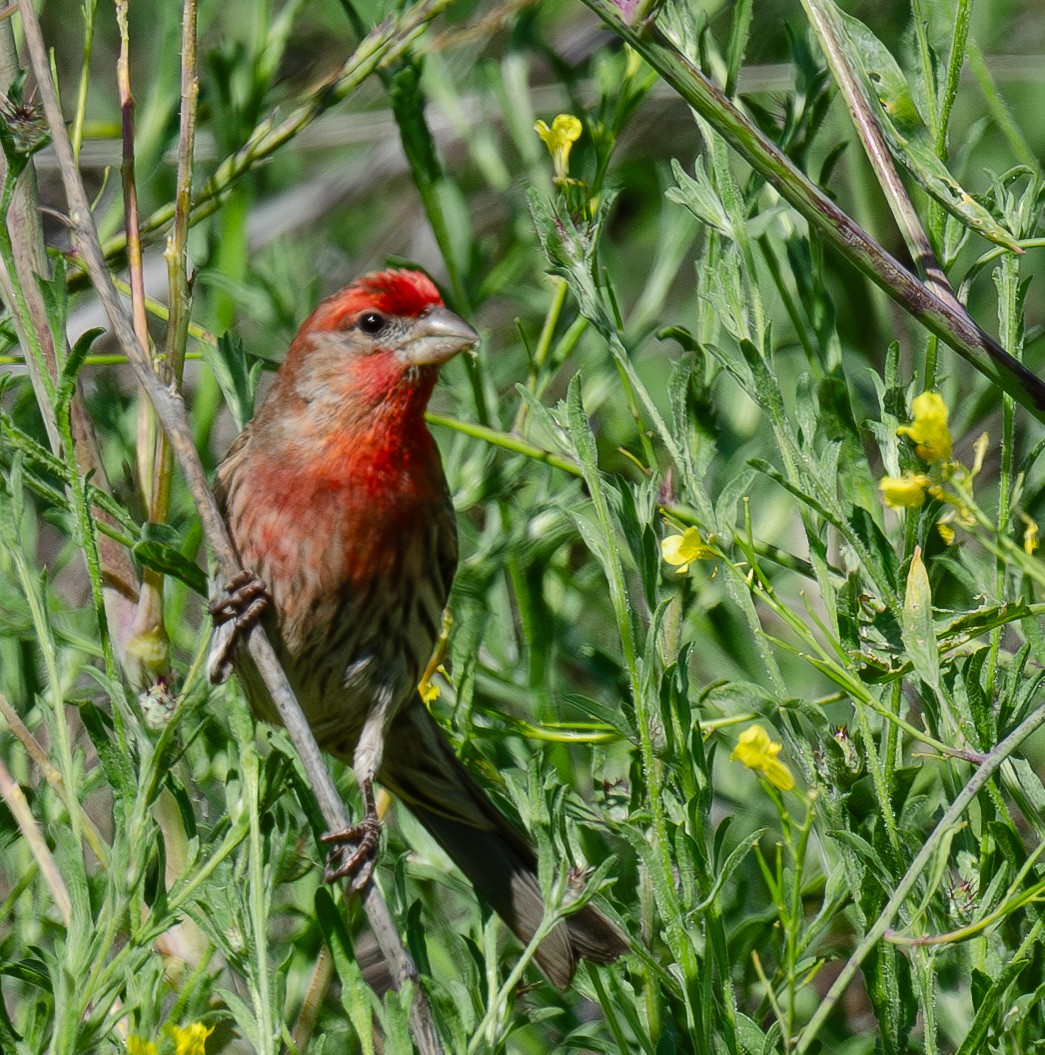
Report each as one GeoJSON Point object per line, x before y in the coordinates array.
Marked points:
{"type": "Point", "coordinates": [336, 500]}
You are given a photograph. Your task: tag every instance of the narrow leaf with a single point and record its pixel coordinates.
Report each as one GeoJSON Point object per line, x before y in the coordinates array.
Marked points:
{"type": "Point", "coordinates": [166, 559]}
{"type": "Point", "coordinates": [917, 630]}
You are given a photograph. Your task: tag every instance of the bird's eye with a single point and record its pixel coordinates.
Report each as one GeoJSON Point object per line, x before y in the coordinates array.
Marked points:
{"type": "Point", "coordinates": [371, 322]}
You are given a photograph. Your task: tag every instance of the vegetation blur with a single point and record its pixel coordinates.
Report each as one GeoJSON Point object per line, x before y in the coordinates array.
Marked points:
{"type": "Point", "coordinates": [746, 630]}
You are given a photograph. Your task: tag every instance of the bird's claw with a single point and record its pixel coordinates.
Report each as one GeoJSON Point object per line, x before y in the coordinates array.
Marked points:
{"type": "Point", "coordinates": [353, 853]}
{"type": "Point", "coordinates": [239, 608]}
{"type": "Point", "coordinates": [353, 850]}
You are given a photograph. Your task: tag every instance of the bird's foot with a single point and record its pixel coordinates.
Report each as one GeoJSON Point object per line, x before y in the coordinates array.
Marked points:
{"type": "Point", "coordinates": [353, 851]}
{"type": "Point", "coordinates": [237, 610]}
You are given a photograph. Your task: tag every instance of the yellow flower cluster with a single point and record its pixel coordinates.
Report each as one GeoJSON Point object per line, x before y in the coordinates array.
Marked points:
{"type": "Point", "coordinates": [188, 1040]}
{"type": "Point", "coordinates": [932, 443]}
{"type": "Point", "coordinates": [758, 752]}
{"type": "Point", "coordinates": [904, 492]}
{"type": "Point", "coordinates": [929, 432]}
{"type": "Point", "coordinates": [946, 480]}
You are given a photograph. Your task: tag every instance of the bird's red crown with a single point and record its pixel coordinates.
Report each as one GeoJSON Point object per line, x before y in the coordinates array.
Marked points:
{"type": "Point", "coordinates": [393, 292]}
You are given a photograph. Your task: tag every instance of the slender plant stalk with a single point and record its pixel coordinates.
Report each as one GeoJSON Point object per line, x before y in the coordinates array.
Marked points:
{"type": "Point", "coordinates": [90, 7]}
{"type": "Point", "coordinates": [34, 749]}
{"type": "Point", "coordinates": [153, 454]}
{"type": "Point", "coordinates": [19, 286]}
{"type": "Point", "coordinates": [15, 801]}
{"type": "Point", "coordinates": [171, 413]}
{"type": "Point", "coordinates": [949, 321]}
{"type": "Point", "coordinates": [955, 61]}
{"type": "Point", "coordinates": [903, 210]}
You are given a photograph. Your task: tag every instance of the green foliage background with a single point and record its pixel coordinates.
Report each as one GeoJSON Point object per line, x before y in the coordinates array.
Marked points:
{"type": "Point", "coordinates": [666, 345]}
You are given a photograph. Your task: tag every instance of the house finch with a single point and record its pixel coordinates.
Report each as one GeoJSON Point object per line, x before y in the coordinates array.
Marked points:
{"type": "Point", "coordinates": [336, 500]}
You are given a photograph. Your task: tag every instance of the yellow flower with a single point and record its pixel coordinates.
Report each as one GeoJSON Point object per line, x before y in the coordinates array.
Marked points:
{"type": "Point", "coordinates": [190, 1039]}
{"type": "Point", "coordinates": [928, 431]}
{"type": "Point", "coordinates": [681, 550]}
{"type": "Point", "coordinates": [1030, 535]}
{"type": "Point", "coordinates": [758, 752]}
{"type": "Point", "coordinates": [904, 492]}
{"type": "Point", "coordinates": [138, 1046]}
{"type": "Point", "coordinates": [428, 688]}
{"type": "Point", "coordinates": [559, 139]}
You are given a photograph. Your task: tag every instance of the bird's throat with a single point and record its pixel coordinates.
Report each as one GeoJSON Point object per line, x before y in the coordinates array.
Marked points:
{"type": "Point", "coordinates": [394, 451]}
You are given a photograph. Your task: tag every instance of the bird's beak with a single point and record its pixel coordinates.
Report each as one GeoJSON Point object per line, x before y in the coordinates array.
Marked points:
{"type": "Point", "coordinates": [437, 335]}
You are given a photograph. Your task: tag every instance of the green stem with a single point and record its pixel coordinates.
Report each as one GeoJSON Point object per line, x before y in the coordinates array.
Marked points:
{"type": "Point", "coordinates": [76, 133]}
{"type": "Point", "coordinates": [955, 61]}
{"type": "Point", "coordinates": [385, 44]}
{"type": "Point", "coordinates": [640, 678]}
{"type": "Point", "coordinates": [1008, 277]}
{"type": "Point", "coordinates": [950, 821]}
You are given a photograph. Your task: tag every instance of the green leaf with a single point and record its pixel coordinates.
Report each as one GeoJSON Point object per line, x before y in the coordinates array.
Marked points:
{"type": "Point", "coordinates": [698, 195]}
{"type": "Point", "coordinates": [541, 418]}
{"type": "Point", "coordinates": [751, 1038]}
{"type": "Point", "coordinates": [728, 697]}
{"type": "Point", "coordinates": [971, 699]}
{"type": "Point", "coordinates": [168, 560]}
{"type": "Point", "coordinates": [731, 864]}
{"type": "Point", "coordinates": [9, 1038]}
{"type": "Point", "coordinates": [54, 292]}
{"type": "Point", "coordinates": [31, 972]}
{"type": "Point", "coordinates": [917, 629]}
{"type": "Point", "coordinates": [990, 1006]}
{"type": "Point", "coordinates": [236, 378]}
{"type": "Point", "coordinates": [353, 988]}
{"type": "Point", "coordinates": [888, 976]}
{"type": "Point", "coordinates": [870, 858]}
{"type": "Point", "coordinates": [72, 365]}
{"type": "Point", "coordinates": [580, 429]}
{"type": "Point", "coordinates": [118, 768]}
{"type": "Point", "coordinates": [970, 625]}
{"type": "Point", "coordinates": [1029, 784]}
{"type": "Point", "coordinates": [836, 422]}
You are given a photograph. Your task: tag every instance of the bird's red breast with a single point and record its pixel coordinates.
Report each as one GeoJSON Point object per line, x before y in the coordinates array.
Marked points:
{"type": "Point", "coordinates": [337, 481]}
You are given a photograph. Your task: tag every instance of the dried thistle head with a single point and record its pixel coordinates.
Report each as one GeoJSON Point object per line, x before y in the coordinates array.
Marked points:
{"type": "Point", "coordinates": [25, 128]}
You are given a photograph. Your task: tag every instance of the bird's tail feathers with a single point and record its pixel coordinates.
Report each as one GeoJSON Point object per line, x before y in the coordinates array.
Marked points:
{"type": "Point", "coordinates": [421, 769]}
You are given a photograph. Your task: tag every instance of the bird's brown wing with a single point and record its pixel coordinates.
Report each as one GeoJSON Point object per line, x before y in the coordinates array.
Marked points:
{"type": "Point", "coordinates": [225, 477]}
